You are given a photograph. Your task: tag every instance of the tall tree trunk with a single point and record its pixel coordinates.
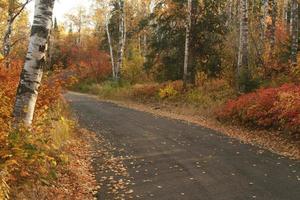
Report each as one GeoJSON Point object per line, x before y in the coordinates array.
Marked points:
{"type": "Point", "coordinates": [122, 38]}
{"type": "Point", "coordinates": [272, 26]}
{"type": "Point", "coordinates": [263, 28]}
{"type": "Point", "coordinates": [7, 39]}
{"type": "Point", "coordinates": [32, 72]}
{"type": "Point", "coordinates": [264, 19]}
{"type": "Point", "coordinates": [229, 11]}
{"type": "Point", "coordinates": [294, 31]}
{"type": "Point", "coordinates": [285, 11]}
{"type": "Point", "coordinates": [110, 48]}
{"type": "Point", "coordinates": [7, 35]}
{"type": "Point", "coordinates": [187, 43]}
{"type": "Point", "coordinates": [12, 15]}
{"type": "Point", "coordinates": [242, 68]}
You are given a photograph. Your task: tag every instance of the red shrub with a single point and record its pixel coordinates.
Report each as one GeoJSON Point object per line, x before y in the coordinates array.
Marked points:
{"type": "Point", "coordinates": [276, 108]}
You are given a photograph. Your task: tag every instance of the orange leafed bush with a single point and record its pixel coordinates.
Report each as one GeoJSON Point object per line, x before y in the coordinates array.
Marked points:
{"type": "Point", "coordinates": [145, 91]}
{"type": "Point", "coordinates": [28, 155]}
{"type": "Point", "coordinates": [276, 108]}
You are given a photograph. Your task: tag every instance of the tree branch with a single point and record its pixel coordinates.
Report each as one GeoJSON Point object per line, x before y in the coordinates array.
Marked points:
{"type": "Point", "coordinates": [22, 7]}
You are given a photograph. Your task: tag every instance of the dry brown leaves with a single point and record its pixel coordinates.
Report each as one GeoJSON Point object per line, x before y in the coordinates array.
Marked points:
{"type": "Point", "coordinates": [112, 175]}
{"type": "Point", "coordinates": [75, 179]}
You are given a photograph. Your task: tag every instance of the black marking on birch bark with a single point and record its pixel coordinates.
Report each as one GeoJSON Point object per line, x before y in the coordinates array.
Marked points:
{"type": "Point", "coordinates": [40, 31]}
{"type": "Point", "coordinates": [41, 63]}
{"type": "Point", "coordinates": [42, 48]}
{"type": "Point", "coordinates": [22, 89]}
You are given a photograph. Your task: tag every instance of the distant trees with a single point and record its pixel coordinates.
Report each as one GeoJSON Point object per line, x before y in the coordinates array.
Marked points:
{"type": "Point", "coordinates": [78, 19]}
{"type": "Point", "coordinates": [247, 43]}
{"type": "Point", "coordinates": [168, 37]}
{"type": "Point", "coordinates": [14, 9]}
{"type": "Point", "coordinates": [32, 72]}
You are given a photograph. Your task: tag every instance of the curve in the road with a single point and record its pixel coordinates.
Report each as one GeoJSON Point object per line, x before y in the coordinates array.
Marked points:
{"type": "Point", "coordinates": [174, 160]}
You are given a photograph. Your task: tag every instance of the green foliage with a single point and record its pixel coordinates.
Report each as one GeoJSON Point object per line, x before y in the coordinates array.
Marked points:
{"type": "Point", "coordinates": [133, 70]}
{"type": "Point", "coordinates": [245, 81]}
{"type": "Point", "coordinates": [107, 89]}
{"type": "Point", "coordinates": [168, 40]}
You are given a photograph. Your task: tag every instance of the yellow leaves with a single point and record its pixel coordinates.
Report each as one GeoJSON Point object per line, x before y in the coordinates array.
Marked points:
{"type": "Point", "coordinates": [167, 92]}
{"type": "Point", "coordinates": [24, 173]}
{"type": "Point", "coordinates": [4, 188]}
{"type": "Point", "coordinates": [12, 163]}
{"type": "Point", "coordinates": [1, 57]}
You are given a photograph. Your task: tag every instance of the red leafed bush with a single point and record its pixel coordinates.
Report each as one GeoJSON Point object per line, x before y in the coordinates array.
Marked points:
{"type": "Point", "coordinates": [275, 108]}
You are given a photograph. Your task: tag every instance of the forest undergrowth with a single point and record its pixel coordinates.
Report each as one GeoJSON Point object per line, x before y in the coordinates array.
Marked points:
{"type": "Point", "coordinates": [47, 160]}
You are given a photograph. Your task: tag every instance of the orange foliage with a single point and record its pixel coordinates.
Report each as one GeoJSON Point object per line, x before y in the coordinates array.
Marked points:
{"type": "Point", "coordinates": [85, 61]}
{"type": "Point", "coordinates": [275, 63]}
{"type": "Point", "coordinates": [27, 155]}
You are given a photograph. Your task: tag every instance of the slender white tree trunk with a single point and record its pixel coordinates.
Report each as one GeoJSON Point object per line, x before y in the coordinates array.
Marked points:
{"type": "Point", "coordinates": [264, 19]}
{"type": "Point", "coordinates": [110, 48]}
{"type": "Point", "coordinates": [32, 72]}
{"type": "Point", "coordinates": [285, 11]}
{"type": "Point", "coordinates": [122, 39]}
{"type": "Point", "coordinates": [7, 36]}
{"type": "Point", "coordinates": [272, 26]}
{"type": "Point", "coordinates": [242, 68]}
{"type": "Point", "coordinates": [294, 30]}
{"type": "Point", "coordinates": [9, 29]}
{"type": "Point", "coordinates": [12, 15]}
{"type": "Point", "coordinates": [187, 42]}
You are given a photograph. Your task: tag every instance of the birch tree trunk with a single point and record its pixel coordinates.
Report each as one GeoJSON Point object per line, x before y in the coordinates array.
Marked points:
{"type": "Point", "coordinates": [187, 42]}
{"type": "Point", "coordinates": [264, 19]}
{"type": "Point", "coordinates": [285, 11]}
{"type": "Point", "coordinates": [272, 26]}
{"type": "Point", "coordinates": [7, 35]}
{"type": "Point", "coordinates": [110, 48]}
{"type": "Point", "coordinates": [122, 38]}
{"type": "Point", "coordinates": [32, 72]}
{"type": "Point", "coordinates": [242, 68]}
{"type": "Point", "coordinates": [12, 15]}
{"type": "Point", "coordinates": [263, 28]}
{"type": "Point", "coordinates": [294, 31]}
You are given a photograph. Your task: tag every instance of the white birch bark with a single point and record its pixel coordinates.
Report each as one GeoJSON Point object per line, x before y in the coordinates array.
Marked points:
{"type": "Point", "coordinates": [122, 38]}
{"type": "Point", "coordinates": [32, 72]}
{"type": "Point", "coordinates": [264, 19]}
{"type": "Point", "coordinates": [285, 11]}
{"type": "Point", "coordinates": [7, 36]}
{"type": "Point", "coordinates": [272, 26]}
{"type": "Point", "coordinates": [187, 42]}
{"type": "Point", "coordinates": [243, 53]}
{"type": "Point", "coordinates": [294, 31]}
{"type": "Point", "coordinates": [110, 47]}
